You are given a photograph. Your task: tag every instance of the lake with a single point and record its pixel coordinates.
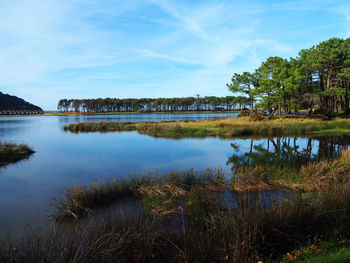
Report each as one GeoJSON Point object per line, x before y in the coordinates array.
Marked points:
{"type": "Point", "coordinates": [63, 159]}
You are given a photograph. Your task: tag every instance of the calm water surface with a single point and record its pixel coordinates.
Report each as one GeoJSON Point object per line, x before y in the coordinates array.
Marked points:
{"type": "Point", "coordinates": [63, 159]}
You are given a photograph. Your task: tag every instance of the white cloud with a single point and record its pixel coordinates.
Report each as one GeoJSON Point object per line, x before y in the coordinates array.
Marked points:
{"type": "Point", "coordinates": [138, 48]}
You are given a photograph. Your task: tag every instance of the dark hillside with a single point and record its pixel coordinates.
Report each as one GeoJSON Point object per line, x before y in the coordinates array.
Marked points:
{"type": "Point", "coordinates": [8, 102]}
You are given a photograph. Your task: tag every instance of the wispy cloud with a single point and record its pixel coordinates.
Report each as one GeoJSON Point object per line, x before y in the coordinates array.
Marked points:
{"type": "Point", "coordinates": [122, 48]}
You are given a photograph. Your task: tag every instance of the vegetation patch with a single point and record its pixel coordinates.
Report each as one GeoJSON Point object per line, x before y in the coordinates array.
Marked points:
{"type": "Point", "coordinates": [332, 131]}
{"type": "Point", "coordinates": [332, 252]}
{"type": "Point", "coordinates": [316, 176]}
{"type": "Point", "coordinates": [158, 192]}
{"type": "Point", "coordinates": [206, 233]}
{"type": "Point", "coordinates": [224, 128]}
{"type": "Point", "coordinates": [11, 153]}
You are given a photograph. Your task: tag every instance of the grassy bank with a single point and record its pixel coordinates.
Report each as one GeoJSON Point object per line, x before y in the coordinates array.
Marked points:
{"type": "Point", "coordinates": [11, 153]}
{"type": "Point", "coordinates": [224, 128]}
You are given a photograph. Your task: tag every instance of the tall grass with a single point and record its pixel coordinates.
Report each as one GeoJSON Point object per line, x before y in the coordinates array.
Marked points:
{"type": "Point", "coordinates": [81, 200]}
{"type": "Point", "coordinates": [248, 234]}
{"type": "Point", "coordinates": [225, 127]}
{"type": "Point", "coordinates": [10, 152]}
{"type": "Point", "coordinates": [313, 177]}
{"type": "Point", "coordinates": [181, 220]}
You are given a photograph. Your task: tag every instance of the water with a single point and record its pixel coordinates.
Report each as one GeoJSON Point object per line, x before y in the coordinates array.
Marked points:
{"type": "Point", "coordinates": [63, 159]}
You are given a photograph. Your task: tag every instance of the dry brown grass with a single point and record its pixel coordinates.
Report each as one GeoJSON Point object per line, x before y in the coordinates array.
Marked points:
{"type": "Point", "coordinates": [319, 176]}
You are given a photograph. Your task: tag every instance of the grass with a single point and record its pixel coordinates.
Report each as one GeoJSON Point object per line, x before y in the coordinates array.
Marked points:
{"type": "Point", "coordinates": [204, 234]}
{"type": "Point", "coordinates": [312, 177]}
{"type": "Point", "coordinates": [224, 128]}
{"type": "Point", "coordinates": [181, 219]}
{"type": "Point", "coordinates": [332, 252]}
{"type": "Point", "coordinates": [332, 131]}
{"type": "Point", "coordinates": [157, 191]}
{"type": "Point", "coordinates": [11, 153]}
{"type": "Point", "coordinates": [162, 193]}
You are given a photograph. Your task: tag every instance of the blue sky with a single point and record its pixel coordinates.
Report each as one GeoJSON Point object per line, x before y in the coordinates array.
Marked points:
{"type": "Point", "coordinates": [53, 49]}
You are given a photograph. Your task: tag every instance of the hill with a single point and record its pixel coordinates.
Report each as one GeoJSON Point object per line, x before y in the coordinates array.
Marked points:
{"type": "Point", "coordinates": [8, 102]}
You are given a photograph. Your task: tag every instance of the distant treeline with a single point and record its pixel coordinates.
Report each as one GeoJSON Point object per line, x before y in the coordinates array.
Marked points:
{"type": "Point", "coordinates": [319, 78]}
{"type": "Point", "coordinates": [13, 103]}
{"type": "Point", "coordinates": [152, 105]}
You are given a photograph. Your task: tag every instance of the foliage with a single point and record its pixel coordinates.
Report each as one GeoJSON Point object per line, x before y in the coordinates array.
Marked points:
{"type": "Point", "coordinates": [150, 104]}
{"type": "Point", "coordinates": [318, 78]}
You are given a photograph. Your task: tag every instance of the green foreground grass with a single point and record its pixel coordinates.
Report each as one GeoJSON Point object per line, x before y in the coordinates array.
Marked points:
{"type": "Point", "coordinates": [11, 153]}
{"type": "Point", "coordinates": [330, 252]}
{"type": "Point", "coordinates": [224, 128]}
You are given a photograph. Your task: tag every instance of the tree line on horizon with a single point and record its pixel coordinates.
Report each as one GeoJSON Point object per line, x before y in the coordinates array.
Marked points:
{"type": "Point", "coordinates": [152, 104]}
{"type": "Point", "coordinates": [318, 79]}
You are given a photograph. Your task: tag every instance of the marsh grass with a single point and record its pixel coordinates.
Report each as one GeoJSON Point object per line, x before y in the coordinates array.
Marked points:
{"type": "Point", "coordinates": [156, 189]}
{"type": "Point", "coordinates": [11, 153]}
{"type": "Point", "coordinates": [317, 176]}
{"type": "Point", "coordinates": [181, 221]}
{"type": "Point", "coordinates": [247, 234]}
{"type": "Point", "coordinates": [224, 128]}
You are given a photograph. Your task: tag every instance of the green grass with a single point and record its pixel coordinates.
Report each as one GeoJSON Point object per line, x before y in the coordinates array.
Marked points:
{"type": "Point", "coordinates": [224, 128]}
{"type": "Point", "coordinates": [321, 252]}
{"type": "Point", "coordinates": [11, 153]}
{"type": "Point", "coordinates": [332, 131]}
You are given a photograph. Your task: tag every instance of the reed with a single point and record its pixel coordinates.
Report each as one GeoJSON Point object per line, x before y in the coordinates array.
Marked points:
{"type": "Point", "coordinates": [247, 234]}
{"type": "Point", "coordinates": [81, 200]}
{"type": "Point", "coordinates": [313, 177]}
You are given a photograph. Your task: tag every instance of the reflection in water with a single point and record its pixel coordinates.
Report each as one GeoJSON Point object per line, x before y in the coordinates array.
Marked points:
{"type": "Point", "coordinates": [64, 159]}
{"type": "Point", "coordinates": [289, 152]}
{"type": "Point", "coordinates": [156, 117]}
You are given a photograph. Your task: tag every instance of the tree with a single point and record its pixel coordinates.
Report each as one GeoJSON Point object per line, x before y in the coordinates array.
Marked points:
{"type": "Point", "coordinates": [244, 83]}
{"type": "Point", "coordinates": [273, 73]}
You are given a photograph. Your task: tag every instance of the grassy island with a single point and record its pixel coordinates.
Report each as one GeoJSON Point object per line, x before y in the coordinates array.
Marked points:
{"type": "Point", "coordinates": [224, 128]}
{"type": "Point", "coordinates": [11, 153]}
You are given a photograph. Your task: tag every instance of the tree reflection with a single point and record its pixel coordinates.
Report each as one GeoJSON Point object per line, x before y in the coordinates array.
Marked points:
{"type": "Point", "coordinates": [289, 152]}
